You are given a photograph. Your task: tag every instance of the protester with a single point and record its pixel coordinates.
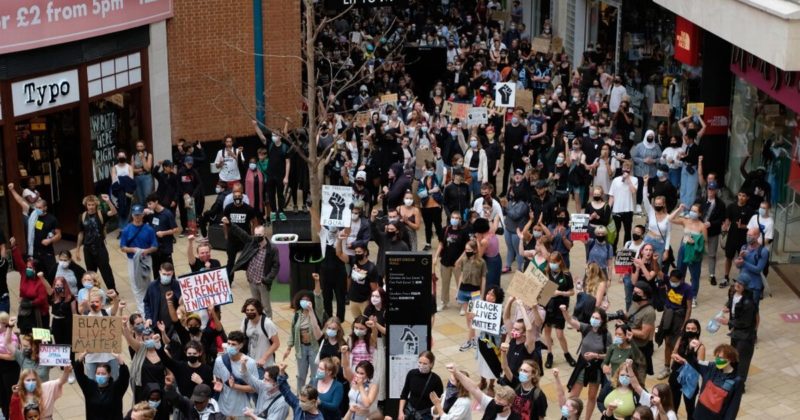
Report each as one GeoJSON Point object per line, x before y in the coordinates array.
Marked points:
{"type": "Point", "coordinates": [259, 256]}
{"type": "Point", "coordinates": [91, 235]}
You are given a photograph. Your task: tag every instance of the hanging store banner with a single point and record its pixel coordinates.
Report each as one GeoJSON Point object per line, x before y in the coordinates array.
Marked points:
{"type": "Point", "coordinates": [687, 42]}
{"type": "Point", "coordinates": [30, 24]}
{"type": "Point", "coordinates": [717, 120]}
{"type": "Point", "coordinates": [358, 4]}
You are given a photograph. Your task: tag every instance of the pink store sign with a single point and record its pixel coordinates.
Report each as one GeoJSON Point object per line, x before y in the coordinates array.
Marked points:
{"type": "Point", "coordinates": [29, 24]}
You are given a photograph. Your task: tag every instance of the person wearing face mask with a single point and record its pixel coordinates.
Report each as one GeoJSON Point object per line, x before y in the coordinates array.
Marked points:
{"type": "Point", "coordinates": [306, 332]}
{"type": "Point", "coordinates": [364, 276]}
{"type": "Point", "coordinates": [155, 300]}
{"type": "Point", "coordinates": [622, 200]}
{"type": "Point", "coordinates": [399, 183]}
{"type": "Point", "coordinates": [262, 335]}
{"type": "Point", "coordinates": [557, 273]}
{"type": "Point", "coordinates": [455, 404]}
{"type": "Point", "coordinates": [530, 401]}
{"type": "Point", "coordinates": [228, 160]}
{"type": "Point", "coordinates": [190, 369]}
{"type": "Point", "coordinates": [68, 270]}
{"type": "Point", "coordinates": [146, 364]}
{"type": "Point", "coordinates": [92, 235]}
{"type": "Point", "coordinates": [389, 234]}
{"type": "Point", "coordinates": [476, 162]}
{"type": "Point", "coordinates": [122, 187]}
{"type": "Point", "coordinates": [305, 405]}
{"type": "Point", "coordinates": [683, 384]}
{"type": "Point", "coordinates": [741, 316]}
{"type": "Point", "coordinates": [751, 261]}
{"type": "Point", "coordinates": [645, 155]}
{"type": "Point", "coordinates": [499, 407]}
{"type": "Point", "coordinates": [689, 158]}
{"type": "Point", "coordinates": [431, 198]}
{"type": "Point", "coordinates": [513, 134]}
{"type": "Point", "coordinates": [214, 213]}
{"type": "Point", "coordinates": [450, 248]}
{"type": "Point", "coordinates": [33, 292]}
{"type": "Point", "coordinates": [198, 406]}
{"type": "Point", "coordinates": [411, 217]}
{"type": "Point", "coordinates": [270, 404]}
{"type": "Point", "coordinates": [765, 223]}
{"type": "Point", "coordinates": [591, 353]}
{"type": "Point", "coordinates": [376, 312]}
{"type": "Point", "coordinates": [572, 408]}
{"type": "Point", "coordinates": [166, 175]}
{"type": "Point", "coordinates": [664, 198]}
{"type": "Point", "coordinates": [63, 305]}
{"type": "Point", "coordinates": [599, 251]}
{"type": "Point", "coordinates": [138, 240]}
{"type": "Point", "coordinates": [641, 318]}
{"type": "Point", "coordinates": [737, 217]}
{"type": "Point", "coordinates": [677, 312]}
{"type": "Point", "coordinates": [671, 157]}
{"type": "Point", "coordinates": [415, 399]}
{"type": "Point", "coordinates": [260, 259]}
{"type": "Point", "coordinates": [158, 407]}
{"type": "Point", "coordinates": [102, 394]}
{"type": "Point", "coordinates": [95, 307]}
{"type": "Point", "coordinates": [163, 222]}
{"type": "Point", "coordinates": [713, 209]}
{"type": "Point", "coordinates": [722, 385]}
{"type": "Point", "coordinates": [228, 368]}
{"type": "Point", "coordinates": [189, 183]}
{"type": "Point", "coordinates": [32, 390]}
{"type": "Point", "coordinates": [620, 350]}
{"type": "Point", "coordinates": [620, 402]}
{"type": "Point", "coordinates": [457, 194]}
{"type": "Point", "coordinates": [693, 244]}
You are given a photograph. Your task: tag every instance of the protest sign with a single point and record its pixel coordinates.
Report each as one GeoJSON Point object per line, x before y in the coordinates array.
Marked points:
{"type": "Point", "coordinates": [531, 287]}
{"type": "Point", "coordinates": [499, 15]}
{"type": "Point", "coordinates": [205, 289]}
{"type": "Point", "coordinates": [579, 227]}
{"type": "Point", "coordinates": [390, 99]}
{"type": "Point", "coordinates": [424, 155]}
{"type": "Point", "coordinates": [476, 116]}
{"type": "Point", "coordinates": [336, 203]}
{"type": "Point", "coordinates": [524, 99]}
{"type": "Point", "coordinates": [488, 316]}
{"type": "Point", "coordinates": [54, 355]}
{"type": "Point", "coordinates": [661, 110]}
{"type": "Point", "coordinates": [362, 119]}
{"type": "Point", "coordinates": [447, 108]}
{"type": "Point", "coordinates": [96, 334]}
{"type": "Point", "coordinates": [623, 264]}
{"type": "Point", "coordinates": [695, 108]}
{"type": "Point", "coordinates": [557, 45]}
{"type": "Point", "coordinates": [460, 111]}
{"type": "Point", "coordinates": [505, 95]}
{"type": "Point", "coordinates": [41, 334]}
{"type": "Point", "coordinates": [541, 45]}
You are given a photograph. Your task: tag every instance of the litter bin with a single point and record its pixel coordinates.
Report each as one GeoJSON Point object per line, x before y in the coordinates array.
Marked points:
{"type": "Point", "coordinates": [305, 261]}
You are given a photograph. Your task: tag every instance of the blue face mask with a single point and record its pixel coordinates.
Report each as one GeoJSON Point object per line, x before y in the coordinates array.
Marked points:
{"type": "Point", "coordinates": [559, 160]}
{"type": "Point", "coordinates": [455, 222]}
{"type": "Point", "coordinates": [523, 377]}
{"type": "Point", "coordinates": [617, 341]}
{"type": "Point", "coordinates": [154, 404]}
{"type": "Point", "coordinates": [304, 304]}
{"type": "Point", "coordinates": [564, 411]}
{"type": "Point", "coordinates": [165, 280]}
{"type": "Point", "coordinates": [150, 343]}
{"type": "Point", "coordinates": [595, 323]}
{"type": "Point", "coordinates": [231, 350]}
{"type": "Point", "coordinates": [320, 374]}
{"type": "Point", "coordinates": [30, 386]}
{"type": "Point", "coordinates": [693, 215]}
{"type": "Point", "coordinates": [428, 173]}
{"type": "Point", "coordinates": [101, 379]}
{"type": "Point", "coordinates": [762, 212]}
{"type": "Point", "coordinates": [660, 174]}
{"type": "Point", "coordinates": [331, 332]}
{"type": "Point", "coordinates": [624, 380]}
{"type": "Point", "coordinates": [88, 285]}
{"type": "Point", "coordinates": [555, 267]}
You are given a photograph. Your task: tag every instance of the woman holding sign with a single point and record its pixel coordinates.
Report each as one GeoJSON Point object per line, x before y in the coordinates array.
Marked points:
{"type": "Point", "coordinates": [31, 391]}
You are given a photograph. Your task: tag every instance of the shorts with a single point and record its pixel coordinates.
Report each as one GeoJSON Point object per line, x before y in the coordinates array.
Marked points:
{"type": "Point", "coordinates": [555, 320]}
{"type": "Point", "coordinates": [733, 248]}
{"type": "Point", "coordinates": [463, 296]}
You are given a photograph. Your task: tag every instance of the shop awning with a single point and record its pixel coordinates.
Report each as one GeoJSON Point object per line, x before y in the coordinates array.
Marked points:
{"type": "Point", "coordinates": [768, 29]}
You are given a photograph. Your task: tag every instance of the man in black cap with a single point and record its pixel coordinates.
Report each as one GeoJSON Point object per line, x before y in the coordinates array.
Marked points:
{"type": "Point", "coordinates": [200, 406]}
{"type": "Point", "coordinates": [660, 186]}
{"type": "Point", "coordinates": [543, 203]}
{"type": "Point", "coordinates": [167, 192]}
{"type": "Point", "coordinates": [642, 319]}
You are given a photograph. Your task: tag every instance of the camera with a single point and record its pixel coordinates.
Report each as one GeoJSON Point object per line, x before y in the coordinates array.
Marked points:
{"type": "Point", "coordinates": [619, 315]}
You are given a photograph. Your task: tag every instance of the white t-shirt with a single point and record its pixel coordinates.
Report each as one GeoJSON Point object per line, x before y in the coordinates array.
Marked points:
{"type": "Point", "coordinates": [644, 400]}
{"type": "Point", "coordinates": [670, 156]}
{"type": "Point", "coordinates": [765, 224]}
{"type": "Point", "coordinates": [624, 199]}
{"type": "Point", "coordinates": [258, 343]}
{"type": "Point", "coordinates": [230, 167]}
{"type": "Point", "coordinates": [616, 94]}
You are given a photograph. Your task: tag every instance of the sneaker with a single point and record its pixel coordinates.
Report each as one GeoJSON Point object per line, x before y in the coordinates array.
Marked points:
{"type": "Point", "coordinates": [713, 280]}
{"type": "Point", "coordinates": [427, 247]}
{"type": "Point", "coordinates": [272, 216]}
{"type": "Point", "coordinates": [664, 373]}
{"type": "Point", "coordinates": [441, 306]}
{"type": "Point", "coordinates": [694, 303]}
{"type": "Point", "coordinates": [470, 343]}
{"type": "Point", "coordinates": [462, 312]}
{"type": "Point", "coordinates": [724, 284]}
{"type": "Point", "coordinates": [71, 378]}
{"type": "Point", "coordinates": [548, 363]}
{"type": "Point", "coordinates": [282, 217]}
{"type": "Point", "coordinates": [638, 209]}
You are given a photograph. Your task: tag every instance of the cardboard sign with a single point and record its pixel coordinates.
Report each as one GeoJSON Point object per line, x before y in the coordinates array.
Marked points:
{"type": "Point", "coordinates": [460, 111]}
{"type": "Point", "coordinates": [557, 45]}
{"type": "Point", "coordinates": [488, 316]}
{"type": "Point", "coordinates": [96, 334]}
{"type": "Point", "coordinates": [447, 108]}
{"type": "Point", "coordinates": [41, 334]}
{"type": "Point", "coordinates": [579, 227]}
{"type": "Point", "coordinates": [623, 264]}
{"type": "Point", "coordinates": [477, 115]}
{"type": "Point", "coordinates": [695, 108]}
{"type": "Point", "coordinates": [505, 94]}
{"type": "Point", "coordinates": [524, 99]}
{"type": "Point", "coordinates": [661, 110]}
{"type": "Point", "coordinates": [531, 287]}
{"type": "Point", "coordinates": [541, 45]}
{"type": "Point", "coordinates": [499, 15]}
{"type": "Point", "coordinates": [54, 355]}
{"type": "Point", "coordinates": [390, 99]}
{"type": "Point", "coordinates": [205, 289]}
{"type": "Point", "coordinates": [362, 119]}
{"type": "Point", "coordinates": [422, 156]}
{"type": "Point", "coordinates": [336, 203]}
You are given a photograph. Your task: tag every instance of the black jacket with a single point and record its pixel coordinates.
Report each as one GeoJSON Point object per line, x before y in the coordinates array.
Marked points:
{"type": "Point", "coordinates": [742, 317]}
{"type": "Point", "coordinates": [102, 403]}
{"type": "Point", "coordinates": [457, 197]}
{"type": "Point", "coordinates": [75, 268]}
{"type": "Point", "coordinates": [717, 216]}
{"type": "Point", "coordinates": [272, 263]}
{"type": "Point", "coordinates": [167, 191]}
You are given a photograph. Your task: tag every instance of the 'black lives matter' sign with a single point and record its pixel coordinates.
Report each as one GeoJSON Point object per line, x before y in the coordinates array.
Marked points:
{"type": "Point", "coordinates": [344, 4]}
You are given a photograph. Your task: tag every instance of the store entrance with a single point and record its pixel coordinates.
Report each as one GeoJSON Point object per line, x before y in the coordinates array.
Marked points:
{"type": "Point", "coordinates": [48, 149]}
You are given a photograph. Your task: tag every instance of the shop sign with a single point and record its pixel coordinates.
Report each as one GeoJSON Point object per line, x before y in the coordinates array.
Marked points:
{"type": "Point", "coordinates": [687, 42]}
{"type": "Point", "coordinates": [29, 24]}
{"type": "Point", "coordinates": [41, 93]}
{"type": "Point", "coordinates": [344, 4]}
{"type": "Point", "coordinates": [717, 120]}
{"type": "Point", "coordinates": [783, 86]}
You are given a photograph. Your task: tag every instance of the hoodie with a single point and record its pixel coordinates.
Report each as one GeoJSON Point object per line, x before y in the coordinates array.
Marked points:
{"type": "Point", "coordinates": [397, 186]}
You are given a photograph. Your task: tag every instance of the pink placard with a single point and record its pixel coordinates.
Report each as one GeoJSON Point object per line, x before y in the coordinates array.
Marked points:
{"type": "Point", "coordinates": [29, 24]}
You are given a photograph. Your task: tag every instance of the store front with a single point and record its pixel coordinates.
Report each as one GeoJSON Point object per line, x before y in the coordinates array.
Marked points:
{"type": "Point", "coordinates": [67, 124]}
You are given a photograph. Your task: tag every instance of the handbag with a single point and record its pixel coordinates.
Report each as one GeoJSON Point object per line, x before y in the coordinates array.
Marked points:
{"type": "Point", "coordinates": [413, 413]}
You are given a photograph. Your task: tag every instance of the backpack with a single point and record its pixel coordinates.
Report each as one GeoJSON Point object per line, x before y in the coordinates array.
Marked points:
{"type": "Point", "coordinates": [584, 307]}
{"type": "Point", "coordinates": [246, 345]}
{"type": "Point", "coordinates": [226, 360]}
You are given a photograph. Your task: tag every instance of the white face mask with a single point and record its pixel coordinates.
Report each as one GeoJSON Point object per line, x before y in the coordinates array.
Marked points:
{"type": "Point", "coordinates": [375, 300]}
{"type": "Point", "coordinates": [408, 202]}
{"type": "Point", "coordinates": [63, 264]}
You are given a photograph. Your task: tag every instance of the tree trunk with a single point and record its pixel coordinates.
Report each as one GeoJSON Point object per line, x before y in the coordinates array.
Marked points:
{"type": "Point", "coordinates": [315, 182]}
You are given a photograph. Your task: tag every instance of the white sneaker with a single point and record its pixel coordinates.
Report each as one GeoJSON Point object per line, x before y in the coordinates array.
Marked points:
{"type": "Point", "coordinates": [441, 306]}
{"type": "Point", "coordinates": [638, 209]}
{"type": "Point", "coordinates": [462, 312]}
{"type": "Point", "coordinates": [71, 378]}
{"type": "Point", "coordinates": [664, 373]}
{"type": "Point", "coordinates": [694, 303]}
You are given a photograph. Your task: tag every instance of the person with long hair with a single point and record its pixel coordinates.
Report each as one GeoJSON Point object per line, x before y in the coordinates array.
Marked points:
{"type": "Point", "coordinates": [262, 334]}
{"type": "Point", "coordinates": [455, 404]}
{"type": "Point", "coordinates": [620, 401]}
{"type": "Point", "coordinates": [658, 400]}
{"type": "Point", "coordinates": [645, 268]}
{"type": "Point", "coordinates": [411, 216]}
{"type": "Point", "coordinates": [305, 331]}
{"type": "Point", "coordinates": [659, 222]}
{"type": "Point", "coordinates": [557, 273]}
{"type": "Point", "coordinates": [722, 387]}
{"type": "Point", "coordinates": [677, 379]}
{"type": "Point", "coordinates": [489, 248]}
{"type": "Point", "coordinates": [362, 342]}
{"type": "Point", "coordinates": [9, 369]}
{"type": "Point", "coordinates": [487, 344]}
{"type": "Point", "coordinates": [596, 284]}
{"type": "Point", "coordinates": [472, 281]}
{"type": "Point", "coordinates": [415, 401]}
{"type": "Point", "coordinates": [559, 234]}
{"type": "Point", "coordinates": [376, 312]}
{"type": "Point", "coordinates": [693, 244]}
{"type": "Point", "coordinates": [572, 407]}
{"type": "Point", "coordinates": [530, 400]}
{"type": "Point", "coordinates": [31, 390]}
{"type": "Point", "coordinates": [430, 200]}
{"type": "Point", "coordinates": [305, 404]}
{"type": "Point", "coordinates": [102, 395]}
{"type": "Point", "coordinates": [188, 366]}
{"type": "Point", "coordinates": [591, 353]}
{"type": "Point", "coordinates": [363, 394]}
{"type": "Point", "coordinates": [63, 305]}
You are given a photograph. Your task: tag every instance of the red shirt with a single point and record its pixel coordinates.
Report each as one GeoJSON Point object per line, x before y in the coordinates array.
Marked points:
{"type": "Point", "coordinates": [30, 288]}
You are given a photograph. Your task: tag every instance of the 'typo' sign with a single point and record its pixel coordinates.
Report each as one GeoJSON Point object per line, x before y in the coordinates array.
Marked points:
{"type": "Point", "coordinates": [344, 4]}
{"type": "Point", "coordinates": [34, 95]}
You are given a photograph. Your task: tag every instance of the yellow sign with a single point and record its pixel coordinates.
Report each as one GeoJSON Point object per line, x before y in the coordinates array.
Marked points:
{"type": "Point", "coordinates": [695, 108]}
{"type": "Point", "coordinates": [41, 334]}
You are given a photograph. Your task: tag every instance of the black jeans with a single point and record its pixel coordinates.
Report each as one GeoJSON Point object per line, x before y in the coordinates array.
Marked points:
{"type": "Point", "coordinates": [334, 282]}
{"type": "Point", "coordinates": [45, 263]}
{"type": "Point", "coordinates": [433, 220]}
{"type": "Point", "coordinates": [158, 259]}
{"type": "Point", "coordinates": [625, 219]}
{"type": "Point", "coordinates": [96, 258]}
{"type": "Point", "coordinates": [234, 247]}
{"type": "Point", "coordinates": [677, 395]}
{"type": "Point", "coordinates": [745, 349]}
{"type": "Point", "coordinates": [275, 194]}
{"type": "Point", "coordinates": [9, 376]}
{"type": "Point", "coordinates": [508, 159]}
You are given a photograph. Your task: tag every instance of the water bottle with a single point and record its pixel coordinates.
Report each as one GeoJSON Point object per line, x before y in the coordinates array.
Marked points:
{"type": "Point", "coordinates": [713, 324]}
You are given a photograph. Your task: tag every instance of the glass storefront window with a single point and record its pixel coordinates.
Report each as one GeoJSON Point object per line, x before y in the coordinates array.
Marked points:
{"type": "Point", "coordinates": [115, 123]}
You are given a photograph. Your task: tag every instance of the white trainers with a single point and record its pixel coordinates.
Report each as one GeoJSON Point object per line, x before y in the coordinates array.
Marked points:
{"type": "Point", "coordinates": [462, 312]}
{"type": "Point", "coordinates": [638, 209]}
{"type": "Point", "coordinates": [664, 373]}
{"type": "Point", "coordinates": [467, 345]}
{"type": "Point", "coordinates": [694, 303]}
{"type": "Point", "coordinates": [441, 306]}
{"type": "Point", "coordinates": [71, 378]}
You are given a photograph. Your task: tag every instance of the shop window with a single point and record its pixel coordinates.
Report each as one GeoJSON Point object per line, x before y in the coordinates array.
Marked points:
{"type": "Point", "coordinates": [114, 74]}
{"type": "Point", "coordinates": [115, 123]}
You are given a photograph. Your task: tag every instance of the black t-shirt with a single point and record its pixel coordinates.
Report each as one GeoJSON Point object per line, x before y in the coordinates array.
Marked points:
{"type": "Point", "coordinates": [454, 242]}
{"type": "Point", "coordinates": [277, 160]}
{"type": "Point", "coordinates": [44, 227]}
{"type": "Point", "coordinates": [362, 277]}
{"type": "Point", "coordinates": [737, 214]}
{"type": "Point", "coordinates": [163, 221]}
{"type": "Point", "coordinates": [491, 412]}
{"type": "Point", "coordinates": [240, 215]}
{"type": "Point", "coordinates": [514, 136]}
{"type": "Point", "coordinates": [198, 265]}
{"type": "Point", "coordinates": [93, 228]}
{"type": "Point", "coordinates": [531, 404]}
{"type": "Point", "coordinates": [564, 282]}
{"type": "Point", "coordinates": [517, 353]}
{"type": "Point", "coordinates": [380, 315]}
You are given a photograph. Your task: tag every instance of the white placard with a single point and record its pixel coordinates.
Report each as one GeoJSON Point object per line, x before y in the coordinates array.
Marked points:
{"type": "Point", "coordinates": [336, 203]}
{"type": "Point", "coordinates": [505, 95]}
{"type": "Point", "coordinates": [205, 289]}
{"type": "Point", "coordinates": [399, 366]}
{"type": "Point", "coordinates": [488, 316]}
{"type": "Point", "coordinates": [38, 94]}
{"type": "Point", "coordinates": [477, 115]}
{"type": "Point", "coordinates": [54, 355]}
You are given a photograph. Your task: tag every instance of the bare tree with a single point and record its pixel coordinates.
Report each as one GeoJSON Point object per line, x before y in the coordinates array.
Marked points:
{"type": "Point", "coordinates": [316, 98]}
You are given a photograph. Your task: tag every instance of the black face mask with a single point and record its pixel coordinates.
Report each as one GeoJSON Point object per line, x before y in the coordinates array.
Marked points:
{"type": "Point", "coordinates": [192, 359]}
{"type": "Point", "coordinates": [469, 254]}
{"type": "Point", "coordinates": [690, 335]}
{"type": "Point", "coordinates": [194, 330]}
{"type": "Point", "coordinates": [360, 257]}
{"type": "Point", "coordinates": [636, 236]}
{"type": "Point", "coordinates": [600, 239]}
{"type": "Point", "coordinates": [121, 160]}
{"type": "Point", "coordinates": [597, 198]}
{"type": "Point", "coordinates": [238, 201]}
{"type": "Point", "coordinates": [658, 208]}
{"type": "Point", "coordinates": [561, 219]}
{"type": "Point", "coordinates": [637, 298]}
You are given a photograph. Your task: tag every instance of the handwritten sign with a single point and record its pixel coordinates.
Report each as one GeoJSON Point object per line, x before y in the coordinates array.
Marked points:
{"type": "Point", "coordinates": [422, 156]}
{"type": "Point", "coordinates": [54, 355]}
{"type": "Point", "coordinates": [460, 111]}
{"type": "Point", "coordinates": [661, 110]}
{"type": "Point", "coordinates": [531, 287]}
{"type": "Point", "coordinates": [488, 316]}
{"type": "Point", "coordinates": [390, 99]}
{"type": "Point", "coordinates": [477, 115]}
{"type": "Point", "coordinates": [524, 99]}
{"type": "Point", "coordinates": [623, 264]}
{"type": "Point", "coordinates": [96, 334]}
{"type": "Point", "coordinates": [103, 129]}
{"type": "Point", "coordinates": [499, 15]}
{"type": "Point", "coordinates": [579, 227]}
{"type": "Point", "coordinates": [205, 289]}
{"type": "Point", "coordinates": [695, 108]}
{"type": "Point", "coordinates": [541, 45]}
{"type": "Point", "coordinates": [447, 108]}
{"type": "Point", "coordinates": [41, 334]}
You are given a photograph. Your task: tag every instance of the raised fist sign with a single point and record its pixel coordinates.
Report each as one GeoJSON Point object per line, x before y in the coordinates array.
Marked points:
{"type": "Point", "coordinates": [337, 203]}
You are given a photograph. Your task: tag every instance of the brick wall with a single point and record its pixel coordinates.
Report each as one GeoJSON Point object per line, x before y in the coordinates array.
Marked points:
{"type": "Point", "coordinates": [211, 70]}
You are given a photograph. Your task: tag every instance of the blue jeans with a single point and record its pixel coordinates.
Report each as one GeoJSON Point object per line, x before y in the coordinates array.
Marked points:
{"type": "Point", "coordinates": [626, 281]}
{"type": "Point", "coordinates": [144, 187]}
{"type": "Point", "coordinates": [512, 245]}
{"type": "Point", "coordinates": [305, 360]}
{"type": "Point", "coordinates": [757, 294]}
{"type": "Point", "coordinates": [688, 188]}
{"type": "Point", "coordinates": [694, 272]}
{"type": "Point", "coordinates": [494, 266]}
{"type": "Point", "coordinates": [475, 185]}
{"type": "Point", "coordinates": [675, 177]}
{"type": "Point", "coordinates": [91, 368]}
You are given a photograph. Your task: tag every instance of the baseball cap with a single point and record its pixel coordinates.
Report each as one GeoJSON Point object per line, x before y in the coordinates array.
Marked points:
{"type": "Point", "coordinates": [137, 210]}
{"type": "Point", "coordinates": [167, 163]}
{"type": "Point", "coordinates": [188, 159]}
{"type": "Point", "coordinates": [541, 183]}
{"type": "Point", "coordinates": [519, 171]}
{"type": "Point", "coordinates": [713, 186]}
{"type": "Point", "coordinates": [201, 393]}
{"type": "Point", "coordinates": [361, 175]}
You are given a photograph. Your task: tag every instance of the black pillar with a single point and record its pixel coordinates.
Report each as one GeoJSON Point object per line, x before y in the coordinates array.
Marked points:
{"type": "Point", "coordinates": [715, 90]}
